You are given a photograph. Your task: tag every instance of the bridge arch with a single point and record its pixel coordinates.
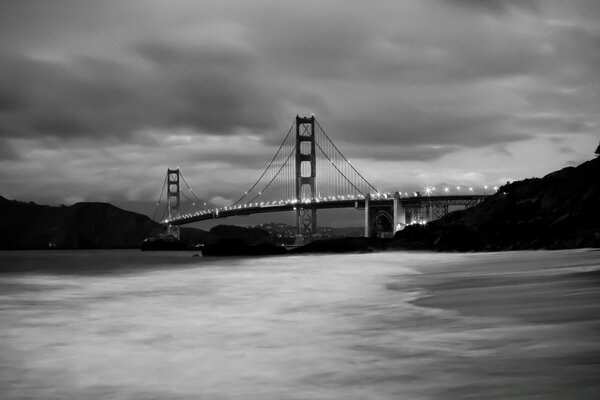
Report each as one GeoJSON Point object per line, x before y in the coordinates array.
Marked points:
{"type": "Point", "coordinates": [382, 222]}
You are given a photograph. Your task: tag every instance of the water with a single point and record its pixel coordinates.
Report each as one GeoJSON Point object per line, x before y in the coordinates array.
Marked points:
{"type": "Point", "coordinates": [132, 325]}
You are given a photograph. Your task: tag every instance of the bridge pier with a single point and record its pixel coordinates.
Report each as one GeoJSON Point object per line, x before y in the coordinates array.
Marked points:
{"type": "Point", "coordinates": [399, 213]}
{"type": "Point", "coordinates": [379, 219]}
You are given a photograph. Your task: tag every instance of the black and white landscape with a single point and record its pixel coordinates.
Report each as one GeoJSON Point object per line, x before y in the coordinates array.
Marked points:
{"type": "Point", "coordinates": [360, 200]}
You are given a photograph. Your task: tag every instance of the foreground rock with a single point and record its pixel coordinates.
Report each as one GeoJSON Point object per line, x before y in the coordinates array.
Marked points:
{"type": "Point", "coordinates": [558, 211]}
{"type": "Point", "coordinates": [251, 236]}
{"type": "Point", "coordinates": [238, 247]}
{"type": "Point", "coordinates": [342, 245]}
{"type": "Point", "coordinates": [163, 243]}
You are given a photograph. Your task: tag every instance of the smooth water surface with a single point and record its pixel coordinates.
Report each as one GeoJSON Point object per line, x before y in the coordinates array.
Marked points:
{"type": "Point", "coordinates": [132, 325]}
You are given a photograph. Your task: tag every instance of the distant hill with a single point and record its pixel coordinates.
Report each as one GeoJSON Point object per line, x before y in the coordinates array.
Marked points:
{"type": "Point", "coordinates": [560, 210]}
{"type": "Point", "coordinates": [80, 226]}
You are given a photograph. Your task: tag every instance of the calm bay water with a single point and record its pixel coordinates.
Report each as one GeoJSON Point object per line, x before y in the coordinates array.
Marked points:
{"type": "Point", "coordinates": [132, 325]}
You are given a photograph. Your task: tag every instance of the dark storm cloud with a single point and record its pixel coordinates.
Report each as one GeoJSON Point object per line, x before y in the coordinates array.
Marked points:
{"type": "Point", "coordinates": [398, 152]}
{"type": "Point", "coordinates": [497, 6]}
{"type": "Point", "coordinates": [208, 91]}
{"type": "Point", "coordinates": [417, 127]}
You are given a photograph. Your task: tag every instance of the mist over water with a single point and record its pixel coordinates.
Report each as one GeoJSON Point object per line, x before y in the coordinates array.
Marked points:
{"type": "Point", "coordinates": [131, 325]}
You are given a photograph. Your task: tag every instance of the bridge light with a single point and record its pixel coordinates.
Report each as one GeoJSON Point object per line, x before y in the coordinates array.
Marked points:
{"type": "Point", "coordinates": [485, 187]}
{"type": "Point", "coordinates": [446, 189]}
{"type": "Point", "coordinates": [496, 188]}
{"type": "Point", "coordinates": [458, 188]}
{"type": "Point", "coordinates": [470, 189]}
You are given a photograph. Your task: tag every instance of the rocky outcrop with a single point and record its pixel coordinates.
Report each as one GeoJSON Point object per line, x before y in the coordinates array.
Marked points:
{"type": "Point", "coordinates": [238, 247]}
{"type": "Point", "coordinates": [163, 243]}
{"type": "Point", "coordinates": [558, 211]}
{"type": "Point", "coordinates": [250, 236]}
{"type": "Point", "coordinates": [342, 245]}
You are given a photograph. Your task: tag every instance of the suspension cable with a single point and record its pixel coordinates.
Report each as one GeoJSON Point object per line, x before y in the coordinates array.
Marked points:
{"type": "Point", "coordinates": [341, 173]}
{"type": "Point", "coordinates": [159, 197]}
{"type": "Point", "coordinates": [268, 166]}
{"type": "Point", "coordinates": [189, 187]}
{"type": "Point", "coordinates": [272, 179]}
{"type": "Point", "coordinates": [345, 159]}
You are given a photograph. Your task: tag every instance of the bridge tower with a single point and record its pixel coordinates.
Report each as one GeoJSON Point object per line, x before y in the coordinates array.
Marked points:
{"type": "Point", "coordinates": [173, 199]}
{"type": "Point", "coordinates": [306, 175]}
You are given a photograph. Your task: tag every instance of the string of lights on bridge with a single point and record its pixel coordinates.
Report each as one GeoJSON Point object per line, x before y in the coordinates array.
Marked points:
{"type": "Point", "coordinates": [427, 191]}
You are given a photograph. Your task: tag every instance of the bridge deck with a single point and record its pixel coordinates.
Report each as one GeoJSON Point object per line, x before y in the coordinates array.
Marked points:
{"type": "Point", "coordinates": [359, 203]}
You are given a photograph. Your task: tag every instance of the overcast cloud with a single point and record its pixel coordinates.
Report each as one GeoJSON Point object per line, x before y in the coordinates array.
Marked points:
{"type": "Point", "coordinates": [98, 98]}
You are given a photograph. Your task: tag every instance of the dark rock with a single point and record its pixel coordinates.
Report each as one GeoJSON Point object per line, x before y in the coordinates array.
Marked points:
{"type": "Point", "coordinates": [193, 237]}
{"type": "Point", "coordinates": [163, 243]}
{"type": "Point", "coordinates": [250, 236]}
{"type": "Point", "coordinates": [238, 247]}
{"type": "Point", "coordinates": [342, 245]}
{"type": "Point", "coordinates": [456, 237]}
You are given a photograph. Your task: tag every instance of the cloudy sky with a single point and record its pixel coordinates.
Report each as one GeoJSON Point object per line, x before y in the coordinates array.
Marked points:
{"type": "Point", "coordinates": [98, 98]}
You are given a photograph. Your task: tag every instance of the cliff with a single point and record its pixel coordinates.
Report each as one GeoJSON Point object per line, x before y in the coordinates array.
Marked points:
{"type": "Point", "coordinates": [560, 210]}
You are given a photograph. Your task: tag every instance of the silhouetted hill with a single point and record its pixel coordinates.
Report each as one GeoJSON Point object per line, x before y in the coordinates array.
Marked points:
{"type": "Point", "coordinates": [560, 210]}
{"type": "Point", "coordinates": [80, 226]}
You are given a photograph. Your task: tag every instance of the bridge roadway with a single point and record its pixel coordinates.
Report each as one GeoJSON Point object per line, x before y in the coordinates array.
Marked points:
{"type": "Point", "coordinates": [359, 203]}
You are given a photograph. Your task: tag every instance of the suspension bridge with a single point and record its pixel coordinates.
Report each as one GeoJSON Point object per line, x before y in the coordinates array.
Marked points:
{"type": "Point", "coordinates": [308, 173]}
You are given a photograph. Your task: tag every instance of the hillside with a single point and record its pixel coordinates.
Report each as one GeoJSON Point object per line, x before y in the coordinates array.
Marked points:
{"type": "Point", "coordinates": [80, 226]}
{"type": "Point", "coordinates": [560, 210]}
